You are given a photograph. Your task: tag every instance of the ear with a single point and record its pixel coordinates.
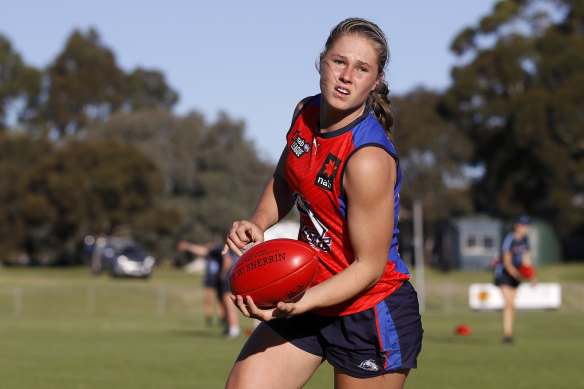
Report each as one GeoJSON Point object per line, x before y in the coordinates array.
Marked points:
{"type": "Point", "coordinates": [320, 61]}
{"type": "Point", "coordinates": [379, 78]}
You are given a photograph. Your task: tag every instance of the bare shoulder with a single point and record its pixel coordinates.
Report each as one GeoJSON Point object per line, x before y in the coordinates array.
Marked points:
{"type": "Point", "coordinates": [372, 166]}
{"type": "Point", "coordinates": [300, 105]}
{"type": "Point", "coordinates": [370, 159]}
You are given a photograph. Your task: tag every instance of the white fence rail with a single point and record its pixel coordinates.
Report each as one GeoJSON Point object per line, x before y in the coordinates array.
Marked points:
{"type": "Point", "coordinates": [92, 300]}
{"type": "Point", "coordinates": [28, 300]}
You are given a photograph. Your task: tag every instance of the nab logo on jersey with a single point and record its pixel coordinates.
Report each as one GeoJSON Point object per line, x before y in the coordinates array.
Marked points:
{"type": "Point", "coordinates": [327, 173]}
{"type": "Point", "coordinates": [299, 146]}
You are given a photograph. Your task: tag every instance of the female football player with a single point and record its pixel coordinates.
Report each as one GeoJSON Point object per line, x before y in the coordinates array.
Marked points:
{"type": "Point", "coordinates": [340, 169]}
{"type": "Point", "coordinates": [515, 252]}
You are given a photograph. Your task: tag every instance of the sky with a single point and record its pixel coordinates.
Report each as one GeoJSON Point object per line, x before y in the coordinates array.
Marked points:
{"type": "Point", "coordinates": [253, 60]}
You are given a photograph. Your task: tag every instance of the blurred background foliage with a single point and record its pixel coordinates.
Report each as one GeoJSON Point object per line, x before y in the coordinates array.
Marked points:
{"type": "Point", "coordinates": [87, 148]}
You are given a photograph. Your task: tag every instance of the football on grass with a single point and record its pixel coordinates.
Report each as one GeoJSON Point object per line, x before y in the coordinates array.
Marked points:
{"type": "Point", "coordinates": [274, 270]}
{"type": "Point", "coordinates": [462, 330]}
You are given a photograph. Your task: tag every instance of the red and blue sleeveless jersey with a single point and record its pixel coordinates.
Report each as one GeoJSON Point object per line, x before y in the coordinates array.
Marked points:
{"type": "Point", "coordinates": [314, 172]}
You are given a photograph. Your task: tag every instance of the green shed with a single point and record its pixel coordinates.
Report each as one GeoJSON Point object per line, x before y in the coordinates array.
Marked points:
{"type": "Point", "coordinates": [472, 242]}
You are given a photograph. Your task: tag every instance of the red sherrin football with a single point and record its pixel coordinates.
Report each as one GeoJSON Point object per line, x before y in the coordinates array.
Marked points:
{"type": "Point", "coordinates": [274, 270]}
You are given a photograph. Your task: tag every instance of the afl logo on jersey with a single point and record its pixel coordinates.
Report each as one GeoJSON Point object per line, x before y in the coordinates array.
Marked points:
{"type": "Point", "coordinates": [327, 173]}
{"type": "Point", "coordinates": [299, 146]}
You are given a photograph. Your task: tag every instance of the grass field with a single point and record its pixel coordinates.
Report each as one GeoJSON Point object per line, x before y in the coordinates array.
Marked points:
{"type": "Point", "coordinates": [62, 328]}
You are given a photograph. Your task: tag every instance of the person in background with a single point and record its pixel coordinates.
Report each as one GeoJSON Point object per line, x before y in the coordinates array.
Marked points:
{"type": "Point", "coordinates": [514, 253]}
{"type": "Point", "coordinates": [217, 281]}
{"type": "Point", "coordinates": [210, 280]}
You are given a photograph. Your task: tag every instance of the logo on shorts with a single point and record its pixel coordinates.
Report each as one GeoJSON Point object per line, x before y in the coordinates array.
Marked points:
{"type": "Point", "coordinates": [369, 365]}
{"type": "Point", "coordinates": [328, 172]}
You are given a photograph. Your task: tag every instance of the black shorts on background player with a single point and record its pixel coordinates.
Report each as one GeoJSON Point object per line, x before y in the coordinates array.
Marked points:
{"type": "Point", "coordinates": [506, 279]}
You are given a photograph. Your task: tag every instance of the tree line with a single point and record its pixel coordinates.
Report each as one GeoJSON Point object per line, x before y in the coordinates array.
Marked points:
{"type": "Point", "coordinates": [513, 114]}
{"type": "Point", "coordinates": [87, 148]}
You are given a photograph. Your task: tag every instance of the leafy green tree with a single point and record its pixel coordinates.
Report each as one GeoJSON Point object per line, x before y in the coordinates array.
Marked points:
{"type": "Point", "coordinates": [86, 86]}
{"type": "Point", "coordinates": [212, 174]}
{"type": "Point", "coordinates": [122, 158]}
{"type": "Point", "coordinates": [520, 100]}
{"type": "Point", "coordinates": [171, 142]}
{"type": "Point", "coordinates": [232, 176]}
{"type": "Point", "coordinates": [156, 229]}
{"type": "Point", "coordinates": [19, 83]}
{"type": "Point", "coordinates": [85, 188]}
{"type": "Point", "coordinates": [147, 89]}
{"type": "Point", "coordinates": [19, 210]}
{"type": "Point", "coordinates": [432, 155]}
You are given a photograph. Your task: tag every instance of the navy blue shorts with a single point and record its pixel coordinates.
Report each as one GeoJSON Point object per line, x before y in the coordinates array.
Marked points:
{"type": "Point", "coordinates": [223, 286]}
{"type": "Point", "coordinates": [379, 340]}
{"type": "Point", "coordinates": [506, 279]}
{"type": "Point", "coordinates": [210, 280]}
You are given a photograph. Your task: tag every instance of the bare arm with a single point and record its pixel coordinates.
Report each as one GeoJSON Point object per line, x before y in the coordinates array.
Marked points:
{"type": "Point", "coordinates": [508, 265]}
{"type": "Point", "coordinates": [526, 259]}
{"type": "Point", "coordinates": [369, 180]}
{"type": "Point", "coordinates": [274, 204]}
{"type": "Point", "coordinates": [196, 249]}
{"type": "Point", "coordinates": [226, 265]}
{"type": "Point", "coordinates": [276, 201]}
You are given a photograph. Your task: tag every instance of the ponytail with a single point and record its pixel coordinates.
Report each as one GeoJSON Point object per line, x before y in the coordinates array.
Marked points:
{"type": "Point", "coordinates": [379, 103]}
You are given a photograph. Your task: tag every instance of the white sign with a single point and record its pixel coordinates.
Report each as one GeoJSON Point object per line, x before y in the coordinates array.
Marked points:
{"type": "Point", "coordinates": [539, 296]}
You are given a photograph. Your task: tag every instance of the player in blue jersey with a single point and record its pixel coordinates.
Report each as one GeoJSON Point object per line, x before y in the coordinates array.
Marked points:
{"type": "Point", "coordinates": [514, 252]}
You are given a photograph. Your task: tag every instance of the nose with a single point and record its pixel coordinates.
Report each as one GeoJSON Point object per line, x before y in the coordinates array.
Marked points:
{"type": "Point", "coordinates": [346, 75]}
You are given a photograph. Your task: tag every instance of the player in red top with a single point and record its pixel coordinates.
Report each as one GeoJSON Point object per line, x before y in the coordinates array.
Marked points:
{"type": "Point", "coordinates": [341, 171]}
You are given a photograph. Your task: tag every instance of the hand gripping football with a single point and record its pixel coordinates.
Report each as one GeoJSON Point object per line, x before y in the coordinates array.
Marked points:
{"type": "Point", "coordinates": [274, 270]}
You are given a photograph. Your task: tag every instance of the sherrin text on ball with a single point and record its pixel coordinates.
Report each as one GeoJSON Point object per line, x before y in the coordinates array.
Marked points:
{"type": "Point", "coordinates": [273, 271]}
